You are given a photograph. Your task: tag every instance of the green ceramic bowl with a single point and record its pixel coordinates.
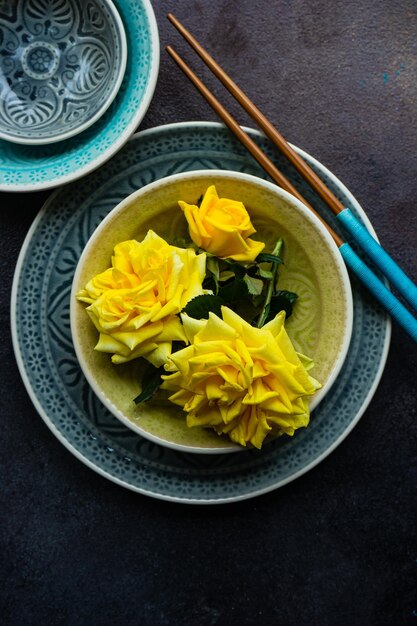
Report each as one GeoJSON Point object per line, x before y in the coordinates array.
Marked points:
{"type": "Point", "coordinates": [320, 325]}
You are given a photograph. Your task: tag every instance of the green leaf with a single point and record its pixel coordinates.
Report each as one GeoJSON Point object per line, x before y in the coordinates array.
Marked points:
{"type": "Point", "coordinates": [210, 284]}
{"type": "Point", "coordinates": [258, 301]}
{"type": "Point", "coordinates": [289, 295]}
{"type": "Point", "coordinates": [212, 265]}
{"type": "Point", "coordinates": [211, 280]}
{"type": "Point", "coordinates": [151, 381]}
{"type": "Point", "coordinates": [234, 291]}
{"type": "Point", "coordinates": [252, 270]}
{"type": "Point", "coordinates": [200, 306]}
{"type": "Point", "coordinates": [225, 275]}
{"type": "Point", "coordinates": [254, 285]}
{"type": "Point", "coordinates": [265, 274]}
{"type": "Point", "coordinates": [238, 270]}
{"type": "Point", "coordinates": [265, 257]}
{"type": "Point", "coordinates": [282, 301]}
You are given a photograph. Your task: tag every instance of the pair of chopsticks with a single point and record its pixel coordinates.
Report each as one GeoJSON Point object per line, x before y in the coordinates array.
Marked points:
{"type": "Point", "coordinates": [344, 215]}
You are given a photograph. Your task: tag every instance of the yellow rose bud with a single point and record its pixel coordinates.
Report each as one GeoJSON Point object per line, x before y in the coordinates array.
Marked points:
{"type": "Point", "coordinates": [243, 381]}
{"type": "Point", "coordinates": [222, 227]}
{"type": "Point", "coordinates": [134, 303]}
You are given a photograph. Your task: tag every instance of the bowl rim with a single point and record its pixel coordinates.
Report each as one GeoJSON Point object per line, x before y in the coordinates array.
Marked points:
{"type": "Point", "coordinates": [121, 69]}
{"type": "Point", "coordinates": [166, 181]}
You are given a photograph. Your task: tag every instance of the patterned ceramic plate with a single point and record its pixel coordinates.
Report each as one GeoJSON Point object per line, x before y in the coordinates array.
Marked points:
{"type": "Point", "coordinates": [50, 371]}
{"type": "Point", "coordinates": [30, 167]}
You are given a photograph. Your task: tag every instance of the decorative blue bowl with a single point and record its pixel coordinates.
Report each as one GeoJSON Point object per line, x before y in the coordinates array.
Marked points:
{"type": "Point", "coordinates": [26, 168]}
{"type": "Point", "coordinates": [61, 65]}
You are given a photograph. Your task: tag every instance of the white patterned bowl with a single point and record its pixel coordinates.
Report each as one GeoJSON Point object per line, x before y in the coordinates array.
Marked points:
{"type": "Point", "coordinates": [320, 325]}
{"type": "Point", "coordinates": [61, 66]}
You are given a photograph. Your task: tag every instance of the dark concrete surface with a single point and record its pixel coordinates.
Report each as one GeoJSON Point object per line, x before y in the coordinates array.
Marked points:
{"type": "Point", "coordinates": [338, 545]}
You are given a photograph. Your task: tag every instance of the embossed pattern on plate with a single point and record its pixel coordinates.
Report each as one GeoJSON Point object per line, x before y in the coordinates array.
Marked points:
{"type": "Point", "coordinates": [44, 351]}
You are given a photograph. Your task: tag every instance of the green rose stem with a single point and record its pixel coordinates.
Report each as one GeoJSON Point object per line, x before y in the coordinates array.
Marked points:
{"type": "Point", "coordinates": [270, 289]}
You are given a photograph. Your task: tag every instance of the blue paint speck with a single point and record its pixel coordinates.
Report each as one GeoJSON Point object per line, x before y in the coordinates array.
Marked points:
{"type": "Point", "coordinates": [385, 78]}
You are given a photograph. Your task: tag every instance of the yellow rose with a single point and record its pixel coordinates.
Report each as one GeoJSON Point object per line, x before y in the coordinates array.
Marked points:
{"type": "Point", "coordinates": [222, 227]}
{"type": "Point", "coordinates": [134, 304]}
{"type": "Point", "coordinates": [240, 380]}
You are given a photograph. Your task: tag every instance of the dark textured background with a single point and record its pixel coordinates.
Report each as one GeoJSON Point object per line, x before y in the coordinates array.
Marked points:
{"type": "Point", "coordinates": [337, 546]}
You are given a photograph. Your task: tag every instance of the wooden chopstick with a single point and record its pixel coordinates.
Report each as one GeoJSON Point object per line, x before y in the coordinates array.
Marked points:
{"type": "Point", "coordinates": [344, 215]}
{"type": "Point", "coordinates": [270, 131]}
{"type": "Point", "coordinates": [251, 146]}
{"type": "Point", "coordinates": [352, 260]}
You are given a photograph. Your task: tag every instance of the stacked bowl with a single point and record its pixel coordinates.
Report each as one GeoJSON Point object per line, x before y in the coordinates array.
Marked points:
{"type": "Point", "coordinates": [75, 81]}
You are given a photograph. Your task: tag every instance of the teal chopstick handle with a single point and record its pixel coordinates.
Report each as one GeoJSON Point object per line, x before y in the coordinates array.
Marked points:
{"type": "Point", "coordinates": [379, 290]}
{"type": "Point", "coordinates": [378, 255]}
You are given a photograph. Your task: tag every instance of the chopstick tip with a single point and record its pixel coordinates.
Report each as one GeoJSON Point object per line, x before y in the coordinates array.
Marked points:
{"type": "Point", "coordinates": [170, 51]}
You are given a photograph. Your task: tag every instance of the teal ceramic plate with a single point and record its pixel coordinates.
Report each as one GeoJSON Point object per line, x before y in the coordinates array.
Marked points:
{"type": "Point", "coordinates": [50, 371]}
{"type": "Point", "coordinates": [30, 168]}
